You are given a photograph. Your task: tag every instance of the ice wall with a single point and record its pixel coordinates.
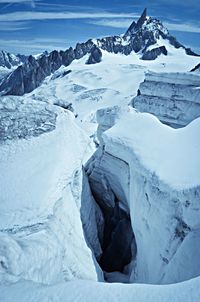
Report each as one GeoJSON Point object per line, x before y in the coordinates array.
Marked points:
{"type": "Point", "coordinates": [41, 156]}
{"type": "Point", "coordinates": [173, 97]}
{"type": "Point", "coordinates": [159, 181]}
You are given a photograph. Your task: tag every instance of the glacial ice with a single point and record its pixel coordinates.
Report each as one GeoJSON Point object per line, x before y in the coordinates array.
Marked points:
{"type": "Point", "coordinates": [173, 97]}
{"type": "Point", "coordinates": [41, 232]}
{"type": "Point", "coordinates": [161, 188]}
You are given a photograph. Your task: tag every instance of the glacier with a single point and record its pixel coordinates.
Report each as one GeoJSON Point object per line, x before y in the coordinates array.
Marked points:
{"type": "Point", "coordinates": [153, 171]}
{"type": "Point", "coordinates": [41, 232]}
{"type": "Point", "coordinates": [173, 97]}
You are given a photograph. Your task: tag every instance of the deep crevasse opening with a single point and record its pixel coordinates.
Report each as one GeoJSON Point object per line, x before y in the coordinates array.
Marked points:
{"type": "Point", "coordinates": [107, 224]}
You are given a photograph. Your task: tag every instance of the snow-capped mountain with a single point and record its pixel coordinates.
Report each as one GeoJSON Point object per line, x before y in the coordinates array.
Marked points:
{"type": "Point", "coordinates": [8, 60]}
{"type": "Point", "coordinates": [148, 38]}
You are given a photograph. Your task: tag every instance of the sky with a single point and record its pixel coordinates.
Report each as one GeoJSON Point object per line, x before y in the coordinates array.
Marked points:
{"type": "Point", "coordinates": [33, 26]}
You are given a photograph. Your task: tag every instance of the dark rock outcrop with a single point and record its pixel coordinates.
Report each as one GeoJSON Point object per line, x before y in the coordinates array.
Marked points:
{"type": "Point", "coordinates": [154, 53]}
{"type": "Point", "coordinates": [95, 56]}
{"type": "Point", "coordinates": [196, 68]}
{"type": "Point", "coordinates": [135, 26]}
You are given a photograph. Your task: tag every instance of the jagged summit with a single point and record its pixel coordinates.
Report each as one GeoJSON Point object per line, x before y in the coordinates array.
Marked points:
{"type": "Point", "coordinates": [147, 37]}
{"type": "Point", "coordinates": [136, 25]}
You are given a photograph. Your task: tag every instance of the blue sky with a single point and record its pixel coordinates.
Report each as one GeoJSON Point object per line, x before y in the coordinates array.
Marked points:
{"type": "Point", "coordinates": [34, 26]}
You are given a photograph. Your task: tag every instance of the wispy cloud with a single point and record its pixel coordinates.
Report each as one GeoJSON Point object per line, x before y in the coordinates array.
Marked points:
{"type": "Point", "coordinates": [35, 15]}
{"type": "Point", "coordinates": [8, 3]}
{"type": "Point", "coordinates": [13, 26]}
{"type": "Point", "coordinates": [183, 27]}
{"type": "Point", "coordinates": [34, 45]}
{"type": "Point", "coordinates": [116, 23]}
{"type": "Point", "coordinates": [126, 22]}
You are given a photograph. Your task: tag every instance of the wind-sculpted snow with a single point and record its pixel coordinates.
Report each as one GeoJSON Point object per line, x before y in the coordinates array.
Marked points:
{"type": "Point", "coordinates": [173, 97]}
{"type": "Point", "coordinates": [162, 192]}
{"type": "Point", "coordinates": [41, 236]}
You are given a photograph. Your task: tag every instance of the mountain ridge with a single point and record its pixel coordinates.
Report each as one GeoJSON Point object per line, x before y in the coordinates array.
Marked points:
{"type": "Point", "coordinates": [142, 37]}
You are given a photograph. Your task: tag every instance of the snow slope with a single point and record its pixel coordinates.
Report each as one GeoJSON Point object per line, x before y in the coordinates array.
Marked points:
{"type": "Point", "coordinates": [84, 291]}
{"type": "Point", "coordinates": [160, 148]}
{"type": "Point", "coordinates": [114, 81]}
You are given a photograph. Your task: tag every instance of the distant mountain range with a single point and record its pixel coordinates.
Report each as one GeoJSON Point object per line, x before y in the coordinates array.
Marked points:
{"type": "Point", "coordinates": [8, 60]}
{"type": "Point", "coordinates": [147, 37]}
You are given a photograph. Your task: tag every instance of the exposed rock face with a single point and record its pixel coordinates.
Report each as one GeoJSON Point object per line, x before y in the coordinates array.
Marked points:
{"type": "Point", "coordinates": [164, 218]}
{"type": "Point", "coordinates": [139, 37]}
{"type": "Point", "coordinates": [154, 53]}
{"type": "Point", "coordinates": [173, 97]}
{"type": "Point", "coordinates": [196, 68]}
{"type": "Point", "coordinates": [95, 56]}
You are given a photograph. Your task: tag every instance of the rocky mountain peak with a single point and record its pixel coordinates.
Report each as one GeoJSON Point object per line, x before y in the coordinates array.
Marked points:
{"type": "Point", "coordinates": [136, 25]}
{"type": "Point", "coordinates": [146, 26]}
{"type": "Point", "coordinates": [142, 19]}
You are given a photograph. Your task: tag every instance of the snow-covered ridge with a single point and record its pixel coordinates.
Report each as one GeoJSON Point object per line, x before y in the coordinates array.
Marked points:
{"type": "Point", "coordinates": [84, 291]}
{"type": "Point", "coordinates": [173, 97]}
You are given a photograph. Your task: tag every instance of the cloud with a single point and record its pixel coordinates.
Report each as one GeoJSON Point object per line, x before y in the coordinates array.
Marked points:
{"type": "Point", "coordinates": [116, 23]}
{"type": "Point", "coordinates": [34, 46]}
{"type": "Point", "coordinates": [35, 15]}
{"type": "Point", "coordinates": [8, 3]}
{"type": "Point", "coordinates": [183, 27]}
{"type": "Point", "coordinates": [126, 22]}
{"type": "Point", "coordinates": [13, 26]}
